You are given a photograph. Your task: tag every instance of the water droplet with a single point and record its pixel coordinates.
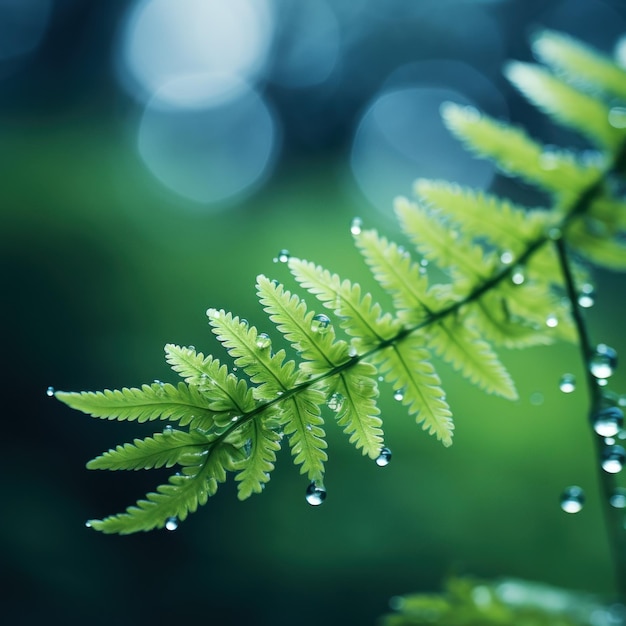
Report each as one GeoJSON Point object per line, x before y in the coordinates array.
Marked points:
{"type": "Point", "coordinates": [352, 352]}
{"type": "Point", "coordinates": [247, 447]}
{"type": "Point", "coordinates": [552, 321]}
{"type": "Point", "coordinates": [572, 499]}
{"type": "Point", "coordinates": [356, 226]}
{"type": "Point", "coordinates": [168, 430]}
{"type": "Point", "coordinates": [171, 523]}
{"type": "Point", "coordinates": [517, 277]}
{"type": "Point", "coordinates": [507, 257]}
{"type": "Point", "coordinates": [609, 441]}
{"type": "Point", "coordinates": [398, 395]}
{"type": "Point", "coordinates": [282, 256]}
{"type": "Point", "coordinates": [315, 494]}
{"type": "Point", "coordinates": [586, 296]}
{"type": "Point", "coordinates": [320, 323]}
{"type": "Point", "coordinates": [384, 457]}
{"type": "Point", "coordinates": [613, 458]}
{"type": "Point", "coordinates": [603, 362]}
{"type": "Point", "coordinates": [263, 341]}
{"type": "Point", "coordinates": [618, 498]}
{"type": "Point", "coordinates": [536, 398]}
{"type": "Point", "coordinates": [567, 384]}
{"type": "Point", "coordinates": [424, 262]}
{"type": "Point", "coordinates": [335, 402]}
{"type": "Point", "coordinates": [88, 524]}
{"type": "Point", "coordinates": [234, 419]}
{"type": "Point", "coordinates": [602, 382]}
{"type": "Point", "coordinates": [617, 117]}
{"type": "Point", "coordinates": [608, 422]}
{"type": "Point", "coordinates": [50, 391]}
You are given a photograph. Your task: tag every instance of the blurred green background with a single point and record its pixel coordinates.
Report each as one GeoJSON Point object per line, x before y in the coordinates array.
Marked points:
{"type": "Point", "coordinates": [103, 262]}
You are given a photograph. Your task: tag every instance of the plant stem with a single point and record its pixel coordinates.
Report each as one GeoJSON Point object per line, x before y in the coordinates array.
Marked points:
{"type": "Point", "coordinates": [613, 518]}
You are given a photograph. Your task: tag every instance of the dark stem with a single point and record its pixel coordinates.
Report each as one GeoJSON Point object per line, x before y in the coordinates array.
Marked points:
{"type": "Point", "coordinates": [613, 518]}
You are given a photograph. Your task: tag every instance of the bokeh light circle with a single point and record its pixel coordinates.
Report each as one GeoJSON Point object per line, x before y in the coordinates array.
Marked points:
{"type": "Point", "coordinates": [401, 137]}
{"type": "Point", "coordinates": [224, 43]}
{"type": "Point", "coordinates": [210, 154]}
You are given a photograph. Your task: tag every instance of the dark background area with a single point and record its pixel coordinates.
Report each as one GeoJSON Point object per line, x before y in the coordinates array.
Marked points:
{"type": "Point", "coordinates": [105, 257]}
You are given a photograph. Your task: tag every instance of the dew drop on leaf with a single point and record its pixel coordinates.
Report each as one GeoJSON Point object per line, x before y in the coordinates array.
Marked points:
{"type": "Point", "coordinates": [603, 362]}
{"type": "Point", "coordinates": [356, 226]}
{"type": "Point", "coordinates": [282, 256]}
{"type": "Point", "coordinates": [608, 422]}
{"type": "Point", "coordinates": [618, 498]}
{"type": "Point", "coordinates": [320, 323]}
{"type": "Point", "coordinates": [586, 296]}
{"type": "Point", "coordinates": [398, 395]}
{"type": "Point", "coordinates": [88, 524]}
{"type": "Point", "coordinates": [384, 457]}
{"type": "Point", "coordinates": [315, 494]}
{"type": "Point", "coordinates": [263, 341]}
{"type": "Point", "coordinates": [50, 391]}
{"type": "Point", "coordinates": [335, 402]}
{"type": "Point", "coordinates": [552, 321]}
{"type": "Point", "coordinates": [572, 499]}
{"type": "Point", "coordinates": [506, 258]}
{"type": "Point", "coordinates": [567, 384]}
{"type": "Point", "coordinates": [613, 459]}
{"type": "Point", "coordinates": [168, 430]}
{"type": "Point", "coordinates": [517, 277]}
{"type": "Point", "coordinates": [171, 523]}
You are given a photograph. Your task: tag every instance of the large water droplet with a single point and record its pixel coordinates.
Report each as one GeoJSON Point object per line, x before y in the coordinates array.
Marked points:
{"type": "Point", "coordinates": [617, 117]}
{"type": "Point", "coordinates": [552, 321]}
{"type": "Point", "coordinates": [356, 226]}
{"type": "Point", "coordinates": [603, 362]}
{"type": "Point", "coordinates": [618, 498]}
{"type": "Point", "coordinates": [567, 384]}
{"type": "Point", "coordinates": [506, 258]}
{"type": "Point", "coordinates": [320, 323]}
{"type": "Point", "coordinates": [263, 341]}
{"type": "Point", "coordinates": [168, 430]}
{"type": "Point", "coordinates": [398, 395]}
{"type": "Point", "coordinates": [171, 523]}
{"type": "Point", "coordinates": [315, 494]}
{"type": "Point", "coordinates": [517, 277]}
{"type": "Point", "coordinates": [335, 402]}
{"type": "Point", "coordinates": [608, 422]}
{"type": "Point", "coordinates": [613, 459]}
{"type": "Point", "coordinates": [50, 391]}
{"type": "Point", "coordinates": [384, 457]}
{"type": "Point", "coordinates": [572, 499]}
{"type": "Point", "coordinates": [282, 256]}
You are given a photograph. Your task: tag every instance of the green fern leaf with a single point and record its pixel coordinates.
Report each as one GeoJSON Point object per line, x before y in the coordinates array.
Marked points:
{"type": "Point", "coordinates": [354, 402]}
{"type": "Point", "coordinates": [228, 394]}
{"type": "Point", "coordinates": [268, 371]}
{"type": "Point", "coordinates": [362, 318]}
{"type": "Point", "coordinates": [160, 450]}
{"type": "Point", "coordinates": [463, 348]}
{"type": "Point", "coordinates": [316, 344]}
{"type": "Point", "coordinates": [516, 154]}
{"type": "Point", "coordinates": [264, 442]}
{"type": "Point", "coordinates": [398, 275]}
{"type": "Point", "coordinates": [580, 64]}
{"type": "Point", "coordinates": [302, 422]}
{"type": "Point", "coordinates": [609, 253]}
{"type": "Point", "coordinates": [177, 498]}
{"type": "Point", "coordinates": [565, 104]}
{"type": "Point", "coordinates": [407, 366]}
{"type": "Point", "coordinates": [157, 401]}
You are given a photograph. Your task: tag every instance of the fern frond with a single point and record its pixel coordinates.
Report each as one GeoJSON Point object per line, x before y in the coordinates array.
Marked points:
{"type": "Point", "coordinates": [354, 402]}
{"type": "Point", "coordinates": [580, 64]}
{"type": "Point", "coordinates": [407, 366]}
{"type": "Point", "coordinates": [398, 275]}
{"type": "Point", "coordinates": [156, 401]}
{"type": "Point", "coordinates": [264, 442]}
{"type": "Point", "coordinates": [595, 246]}
{"type": "Point", "coordinates": [564, 103]}
{"type": "Point", "coordinates": [181, 495]}
{"type": "Point", "coordinates": [362, 318]}
{"type": "Point", "coordinates": [272, 375]}
{"type": "Point", "coordinates": [302, 422]}
{"type": "Point", "coordinates": [161, 450]}
{"type": "Point", "coordinates": [466, 351]}
{"type": "Point", "coordinates": [228, 393]}
{"type": "Point", "coordinates": [516, 154]}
